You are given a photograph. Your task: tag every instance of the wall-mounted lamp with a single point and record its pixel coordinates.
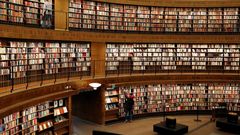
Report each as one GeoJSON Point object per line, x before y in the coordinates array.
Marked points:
{"type": "Point", "coordinates": [95, 85]}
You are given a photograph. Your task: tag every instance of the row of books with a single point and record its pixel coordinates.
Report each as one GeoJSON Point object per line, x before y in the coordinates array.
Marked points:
{"type": "Point", "coordinates": [128, 9]}
{"type": "Point", "coordinates": [141, 18]}
{"type": "Point", "coordinates": [111, 98]}
{"type": "Point", "coordinates": [45, 125]}
{"type": "Point", "coordinates": [25, 56]}
{"type": "Point", "coordinates": [152, 46]}
{"type": "Point", "coordinates": [177, 97]}
{"type": "Point", "coordinates": [25, 11]}
{"type": "Point", "coordinates": [29, 121]}
{"type": "Point", "coordinates": [145, 55]}
{"type": "Point", "coordinates": [60, 111]}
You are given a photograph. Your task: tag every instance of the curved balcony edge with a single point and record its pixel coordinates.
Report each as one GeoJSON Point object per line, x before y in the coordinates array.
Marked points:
{"type": "Point", "coordinates": [27, 33]}
{"type": "Point", "coordinates": [25, 98]}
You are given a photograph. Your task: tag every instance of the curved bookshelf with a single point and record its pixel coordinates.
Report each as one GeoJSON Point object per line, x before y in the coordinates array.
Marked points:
{"type": "Point", "coordinates": [102, 16]}
{"type": "Point", "coordinates": [167, 56]}
{"type": "Point", "coordinates": [33, 120]}
{"type": "Point", "coordinates": [138, 58]}
{"type": "Point", "coordinates": [26, 61]}
{"type": "Point", "coordinates": [174, 98]}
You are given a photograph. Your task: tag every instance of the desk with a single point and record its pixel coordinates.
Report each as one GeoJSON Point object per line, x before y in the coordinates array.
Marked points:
{"type": "Point", "coordinates": [96, 132]}
{"type": "Point", "coordinates": [228, 126]}
{"type": "Point", "coordinates": [161, 128]}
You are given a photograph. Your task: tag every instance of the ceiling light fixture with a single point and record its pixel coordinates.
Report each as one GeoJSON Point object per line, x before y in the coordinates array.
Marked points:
{"type": "Point", "coordinates": [95, 85]}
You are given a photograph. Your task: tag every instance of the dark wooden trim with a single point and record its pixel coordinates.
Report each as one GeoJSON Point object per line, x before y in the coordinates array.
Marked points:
{"type": "Point", "coordinates": [18, 32]}
{"type": "Point", "coordinates": [163, 78]}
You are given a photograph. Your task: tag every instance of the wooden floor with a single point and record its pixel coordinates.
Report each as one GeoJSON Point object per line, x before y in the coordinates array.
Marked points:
{"type": "Point", "coordinates": [144, 126]}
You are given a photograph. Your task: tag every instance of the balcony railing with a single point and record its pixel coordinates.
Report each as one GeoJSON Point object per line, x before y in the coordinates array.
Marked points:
{"type": "Point", "coordinates": [98, 68]}
{"type": "Point", "coordinates": [144, 20]}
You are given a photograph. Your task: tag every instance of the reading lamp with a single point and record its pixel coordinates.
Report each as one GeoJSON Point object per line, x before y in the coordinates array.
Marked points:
{"type": "Point", "coordinates": [95, 85]}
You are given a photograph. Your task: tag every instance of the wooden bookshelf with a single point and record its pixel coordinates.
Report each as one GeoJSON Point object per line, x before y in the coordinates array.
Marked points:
{"type": "Point", "coordinates": [230, 17]}
{"type": "Point", "coordinates": [231, 57]}
{"type": "Point", "coordinates": [199, 57]}
{"type": "Point", "coordinates": [35, 58]}
{"type": "Point", "coordinates": [185, 19]}
{"type": "Point", "coordinates": [215, 20]}
{"type": "Point", "coordinates": [143, 18]}
{"type": "Point", "coordinates": [32, 8]}
{"type": "Point", "coordinates": [19, 61]}
{"type": "Point", "coordinates": [39, 119]}
{"type": "Point", "coordinates": [171, 16]}
{"type": "Point", "coordinates": [5, 65]}
{"type": "Point", "coordinates": [24, 62]}
{"type": "Point", "coordinates": [61, 115]}
{"type": "Point", "coordinates": [155, 103]}
{"type": "Point", "coordinates": [200, 20]}
{"type": "Point", "coordinates": [29, 120]}
{"type": "Point", "coordinates": [157, 19]}
{"type": "Point", "coordinates": [168, 57]}
{"type": "Point", "coordinates": [183, 58]}
{"type": "Point", "coordinates": [155, 58]}
{"type": "Point", "coordinates": [11, 123]}
{"type": "Point", "coordinates": [3, 11]}
{"type": "Point", "coordinates": [111, 103]}
{"type": "Point", "coordinates": [83, 62]}
{"type": "Point", "coordinates": [152, 98]}
{"type": "Point", "coordinates": [138, 18]}
{"type": "Point", "coordinates": [116, 17]}
{"type": "Point", "coordinates": [16, 12]}
{"type": "Point", "coordinates": [188, 18]}
{"type": "Point", "coordinates": [215, 58]}
{"type": "Point", "coordinates": [25, 12]}
{"type": "Point", "coordinates": [102, 20]}
{"type": "Point", "coordinates": [130, 18]}
{"type": "Point", "coordinates": [75, 14]}
{"type": "Point", "coordinates": [89, 15]}
{"type": "Point", "coordinates": [227, 93]}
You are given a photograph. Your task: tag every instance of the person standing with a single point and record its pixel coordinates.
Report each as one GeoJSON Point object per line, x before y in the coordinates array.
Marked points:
{"type": "Point", "coordinates": [47, 14]}
{"type": "Point", "coordinates": [128, 107]}
{"type": "Point", "coordinates": [2, 126]}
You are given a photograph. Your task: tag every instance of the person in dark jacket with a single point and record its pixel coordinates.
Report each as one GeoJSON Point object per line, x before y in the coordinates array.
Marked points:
{"type": "Point", "coordinates": [128, 107]}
